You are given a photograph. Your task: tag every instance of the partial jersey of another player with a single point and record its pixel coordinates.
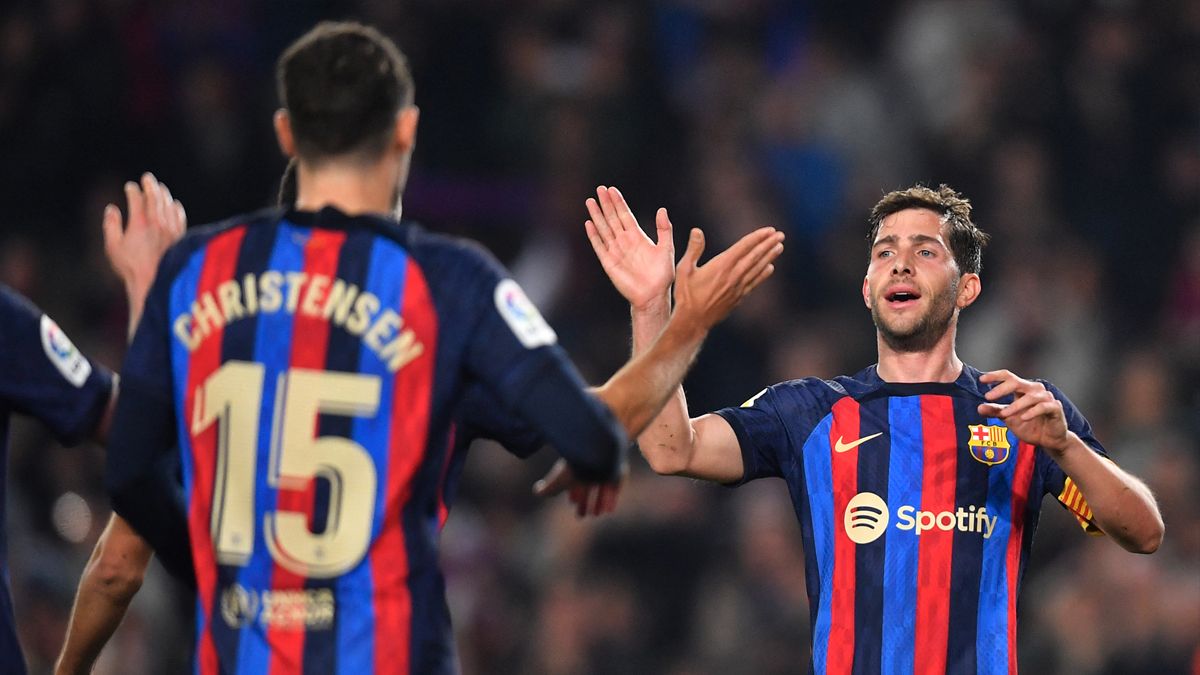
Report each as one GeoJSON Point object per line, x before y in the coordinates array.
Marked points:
{"type": "Point", "coordinates": [43, 375]}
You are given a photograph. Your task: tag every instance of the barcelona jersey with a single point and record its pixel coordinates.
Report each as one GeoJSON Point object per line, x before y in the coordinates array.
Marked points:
{"type": "Point", "coordinates": [316, 372]}
{"type": "Point", "coordinates": [917, 515]}
{"type": "Point", "coordinates": [42, 375]}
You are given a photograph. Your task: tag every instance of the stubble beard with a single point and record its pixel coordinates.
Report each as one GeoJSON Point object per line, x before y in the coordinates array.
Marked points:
{"type": "Point", "coordinates": [926, 331]}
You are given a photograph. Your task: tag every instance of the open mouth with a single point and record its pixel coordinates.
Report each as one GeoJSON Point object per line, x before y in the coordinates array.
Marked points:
{"type": "Point", "coordinates": [899, 297]}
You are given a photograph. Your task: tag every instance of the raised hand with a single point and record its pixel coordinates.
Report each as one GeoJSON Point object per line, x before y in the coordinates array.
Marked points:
{"type": "Point", "coordinates": [155, 222]}
{"type": "Point", "coordinates": [706, 294]}
{"type": "Point", "coordinates": [590, 499]}
{"type": "Point", "coordinates": [1035, 416]}
{"type": "Point", "coordinates": [641, 269]}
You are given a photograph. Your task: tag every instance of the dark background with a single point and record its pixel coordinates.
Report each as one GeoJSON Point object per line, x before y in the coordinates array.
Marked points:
{"type": "Point", "coordinates": [1074, 127]}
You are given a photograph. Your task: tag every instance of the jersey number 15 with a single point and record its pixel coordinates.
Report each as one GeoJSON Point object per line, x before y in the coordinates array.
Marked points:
{"type": "Point", "coordinates": [233, 395]}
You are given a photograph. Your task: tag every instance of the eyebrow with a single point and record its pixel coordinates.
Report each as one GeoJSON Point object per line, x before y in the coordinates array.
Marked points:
{"type": "Point", "coordinates": [916, 239]}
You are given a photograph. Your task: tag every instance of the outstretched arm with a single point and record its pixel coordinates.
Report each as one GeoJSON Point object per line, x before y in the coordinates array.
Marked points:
{"type": "Point", "coordinates": [156, 220]}
{"type": "Point", "coordinates": [118, 563]}
{"type": "Point", "coordinates": [1122, 505]}
{"type": "Point", "coordinates": [673, 443]}
{"type": "Point", "coordinates": [665, 343]}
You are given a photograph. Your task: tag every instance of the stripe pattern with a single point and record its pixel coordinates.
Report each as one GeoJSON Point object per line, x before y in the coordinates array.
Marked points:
{"type": "Point", "coordinates": [1072, 498]}
{"type": "Point", "coordinates": [936, 590]}
{"type": "Point", "coordinates": [372, 602]}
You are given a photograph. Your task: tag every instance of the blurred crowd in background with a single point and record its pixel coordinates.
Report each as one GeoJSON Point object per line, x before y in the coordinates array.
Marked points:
{"type": "Point", "coordinates": [1074, 127]}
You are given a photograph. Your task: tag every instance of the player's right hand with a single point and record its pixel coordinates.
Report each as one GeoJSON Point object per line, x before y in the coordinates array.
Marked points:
{"type": "Point", "coordinates": [155, 221]}
{"type": "Point", "coordinates": [641, 269]}
{"type": "Point", "coordinates": [704, 295]}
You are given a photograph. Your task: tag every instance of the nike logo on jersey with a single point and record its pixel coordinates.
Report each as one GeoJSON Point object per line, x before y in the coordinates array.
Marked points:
{"type": "Point", "coordinates": [840, 446]}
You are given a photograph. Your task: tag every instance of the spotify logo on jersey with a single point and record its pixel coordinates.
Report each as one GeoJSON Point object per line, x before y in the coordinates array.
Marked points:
{"type": "Point", "coordinates": [866, 518]}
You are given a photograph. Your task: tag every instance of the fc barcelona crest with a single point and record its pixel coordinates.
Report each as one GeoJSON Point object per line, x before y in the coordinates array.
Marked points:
{"type": "Point", "coordinates": [989, 443]}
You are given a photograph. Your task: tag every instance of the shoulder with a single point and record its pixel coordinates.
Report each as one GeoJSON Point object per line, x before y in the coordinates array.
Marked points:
{"type": "Point", "coordinates": [800, 394]}
{"type": "Point", "coordinates": [441, 250]}
{"type": "Point", "coordinates": [13, 304]}
{"type": "Point", "coordinates": [197, 238]}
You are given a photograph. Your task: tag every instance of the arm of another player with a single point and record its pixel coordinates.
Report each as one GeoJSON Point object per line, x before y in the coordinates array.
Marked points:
{"type": "Point", "coordinates": [1122, 505]}
{"type": "Point", "coordinates": [673, 443]}
{"type": "Point", "coordinates": [118, 563]}
{"type": "Point", "coordinates": [156, 220]}
{"type": "Point", "coordinates": [665, 345]}
{"type": "Point", "coordinates": [112, 577]}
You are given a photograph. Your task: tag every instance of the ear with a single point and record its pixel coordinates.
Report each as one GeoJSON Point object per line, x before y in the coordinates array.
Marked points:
{"type": "Point", "coordinates": [283, 133]}
{"type": "Point", "coordinates": [866, 293]}
{"type": "Point", "coordinates": [405, 137]}
{"type": "Point", "coordinates": [969, 288]}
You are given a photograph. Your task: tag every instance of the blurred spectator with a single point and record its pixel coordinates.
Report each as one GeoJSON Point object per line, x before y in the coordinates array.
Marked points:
{"type": "Point", "coordinates": [1074, 128]}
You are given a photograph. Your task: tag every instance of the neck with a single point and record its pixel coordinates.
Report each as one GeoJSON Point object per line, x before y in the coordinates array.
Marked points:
{"type": "Point", "coordinates": [938, 364]}
{"type": "Point", "coordinates": [353, 189]}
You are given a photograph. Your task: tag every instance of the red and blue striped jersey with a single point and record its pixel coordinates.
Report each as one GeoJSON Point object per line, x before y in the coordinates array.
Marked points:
{"type": "Point", "coordinates": [311, 368]}
{"type": "Point", "coordinates": [43, 375]}
{"type": "Point", "coordinates": [917, 516]}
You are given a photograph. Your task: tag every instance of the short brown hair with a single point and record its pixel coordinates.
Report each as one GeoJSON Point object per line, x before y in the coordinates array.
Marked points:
{"type": "Point", "coordinates": [966, 239]}
{"type": "Point", "coordinates": [342, 84]}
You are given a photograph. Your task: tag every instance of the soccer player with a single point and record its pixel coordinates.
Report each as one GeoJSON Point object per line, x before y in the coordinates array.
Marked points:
{"type": "Point", "coordinates": [43, 374]}
{"type": "Point", "coordinates": [918, 481]}
{"type": "Point", "coordinates": [308, 363]}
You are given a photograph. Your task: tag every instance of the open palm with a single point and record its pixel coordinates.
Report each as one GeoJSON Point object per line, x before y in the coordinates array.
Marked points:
{"type": "Point", "coordinates": [641, 269]}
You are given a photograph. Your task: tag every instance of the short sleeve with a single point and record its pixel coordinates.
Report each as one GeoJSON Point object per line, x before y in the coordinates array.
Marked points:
{"type": "Point", "coordinates": [1056, 481]}
{"type": "Point", "coordinates": [44, 375]}
{"type": "Point", "coordinates": [760, 433]}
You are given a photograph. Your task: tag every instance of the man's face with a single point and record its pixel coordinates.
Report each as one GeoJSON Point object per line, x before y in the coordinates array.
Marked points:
{"type": "Point", "coordinates": [912, 283]}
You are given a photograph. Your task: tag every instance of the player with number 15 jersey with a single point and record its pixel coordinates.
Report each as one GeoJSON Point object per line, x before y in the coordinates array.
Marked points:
{"type": "Point", "coordinates": [307, 365]}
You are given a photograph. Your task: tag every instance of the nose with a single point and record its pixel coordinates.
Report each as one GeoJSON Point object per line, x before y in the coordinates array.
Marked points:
{"type": "Point", "coordinates": [901, 264]}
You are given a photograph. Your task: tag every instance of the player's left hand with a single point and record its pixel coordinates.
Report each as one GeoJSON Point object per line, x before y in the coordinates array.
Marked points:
{"type": "Point", "coordinates": [155, 221]}
{"type": "Point", "coordinates": [590, 499]}
{"type": "Point", "coordinates": [1035, 416]}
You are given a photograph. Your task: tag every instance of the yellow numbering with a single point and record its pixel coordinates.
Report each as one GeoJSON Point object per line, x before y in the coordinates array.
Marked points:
{"type": "Point", "coordinates": [233, 396]}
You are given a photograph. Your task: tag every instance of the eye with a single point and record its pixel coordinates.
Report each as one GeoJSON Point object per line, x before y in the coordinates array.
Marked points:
{"type": "Point", "coordinates": [926, 253]}
{"type": "Point", "coordinates": [885, 253]}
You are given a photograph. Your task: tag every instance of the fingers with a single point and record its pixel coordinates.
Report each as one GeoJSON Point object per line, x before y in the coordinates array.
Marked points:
{"type": "Point", "coordinates": [594, 238]}
{"type": "Point", "coordinates": [1008, 384]}
{"type": "Point", "coordinates": [666, 236]}
{"type": "Point", "coordinates": [764, 274]}
{"type": "Point", "coordinates": [155, 209]}
{"type": "Point", "coordinates": [609, 206]}
{"type": "Point", "coordinates": [990, 409]}
{"type": "Point", "coordinates": [111, 224]}
{"type": "Point", "coordinates": [135, 202]}
{"type": "Point", "coordinates": [595, 499]}
{"type": "Point", "coordinates": [747, 243]}
{"type": "Point", "coordinates": [624, 214]}
{"type": "Point", "coordinates": [764, 253]}
{"type": "Point", "coordinates": [1049, 408]}
{"type": "Point", "coordinates": [1025, 402]}
{"type": "Point", "coordinates": [608, 498]}
{"type": "Point", "coordinates": [695, 248]}
{"type": "Point", "coordinates": [600, 221]}
{"type": "Point", "coordinates": [180, 219]}
{"type": "Point", "coordinates": [1024, 408]}
{"type": "Point", "coordinates": [557, 479]}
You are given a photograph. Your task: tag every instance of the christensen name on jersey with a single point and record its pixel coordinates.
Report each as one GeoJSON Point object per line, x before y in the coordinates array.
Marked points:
{"type": "Point", "coordinates": [318, 296]}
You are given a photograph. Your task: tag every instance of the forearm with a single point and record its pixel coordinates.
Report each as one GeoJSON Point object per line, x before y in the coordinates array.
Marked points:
{"type": "Point", "coordinates": [666, 441]}
{"type": "Point", "coordinates": [639, 390]}
{"type": "Point", "coordinates": [112, 577]}
{"type": "Point", "coordinates": [1122, 505]}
